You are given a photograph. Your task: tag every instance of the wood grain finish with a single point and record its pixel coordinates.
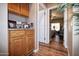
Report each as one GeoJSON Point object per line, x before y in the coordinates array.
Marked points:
{"type": "Point", "coordinates": [21, 9]}
{"type": "Point", "coordinates": [30, 38]}
{"type": "Point", "coordinates": [21, 42]}
{"type": "Point", "coordinates": [17, 46]}
{"type": "Point", "coordinates": [14, 7]}
{"type": "Point", "coordinates": [17, 33]}
{"type": "Point", "coordinates": [24, 9]}
{"type": "Point", "coordinates": [55, 48]}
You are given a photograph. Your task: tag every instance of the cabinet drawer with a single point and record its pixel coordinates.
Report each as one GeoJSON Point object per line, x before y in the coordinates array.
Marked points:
{"type": "Point", "coordinates": [30, 32]}
{"type": "Point", "coordinates": [16, 33]}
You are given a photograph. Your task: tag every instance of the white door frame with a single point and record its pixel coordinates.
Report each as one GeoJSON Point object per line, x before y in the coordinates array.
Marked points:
{"type": "Point", "coordinates": [65, 27]}
{"type": "Point", "coordinates": [36, 27]}
{"type": "Point", "coordinates": [65, 19]}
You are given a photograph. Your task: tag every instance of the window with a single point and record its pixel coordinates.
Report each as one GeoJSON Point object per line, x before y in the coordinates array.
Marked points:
{"type": "Point", "coordinates": [55, 26]}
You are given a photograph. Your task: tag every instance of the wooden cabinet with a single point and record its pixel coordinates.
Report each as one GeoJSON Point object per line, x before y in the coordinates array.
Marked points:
{"type": "Point", "coordinates": [30, 40]}
{"type": "Point", "coordinates": [17, 46]}
{"type": "Point", "coordinates": [21, 42]}
{"type": "Point", "coordinates": [25, 9]}
{"type": "Point", "coordinates": [17, 42]}
{"type": "Point", "coordinates": [14, 7]}
{"type": "Point", "coordinates": [19, 8]}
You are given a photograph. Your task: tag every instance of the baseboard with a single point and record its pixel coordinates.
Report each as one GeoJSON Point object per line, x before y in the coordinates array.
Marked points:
{"type": "Point", "coordinates": [36, 50]}
{"type": "Point", "coordinates": [68, 52]}
{"type": "Point", "coordinates": [3, 54]}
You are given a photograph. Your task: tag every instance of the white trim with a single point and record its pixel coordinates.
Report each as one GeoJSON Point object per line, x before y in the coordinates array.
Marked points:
{"type": "Point", "coordinates": [3, 54]}
{"type": "Point", "coordinates": [36, 50]}
{"type": "Point", "coordinates": [65, 27]}
{"type": "Point", "coordinates": [36, 26]}
{"type": "Point", "coordinates": [72, 37]}
{"type": "Point", "coordinates": [48, 26]}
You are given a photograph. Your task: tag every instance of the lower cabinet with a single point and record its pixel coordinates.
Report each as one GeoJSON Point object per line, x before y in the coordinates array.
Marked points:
{"type": "Point", "coordinates": [17, 46]}
{"type": "Point", "coordinates": [21, 42]}
{"type": "Point", "coordinates": [30, 40]}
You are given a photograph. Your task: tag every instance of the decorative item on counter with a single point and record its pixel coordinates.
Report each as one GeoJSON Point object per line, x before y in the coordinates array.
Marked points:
{"type": "Point", "coordinates": [19, 22]}
{"type": "Point", "coordinates": [25, 24]}
{"type": "Point", "coordinates": [11, 24]}
{"type": "Point", "coordinates": [31, 24]}
{"type": "Point", "coordinates": [19, 25]}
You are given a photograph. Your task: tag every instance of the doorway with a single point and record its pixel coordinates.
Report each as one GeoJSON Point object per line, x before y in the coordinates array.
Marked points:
{"type": "Point", "coordinates": [57, 29]}
{"type": "Point", "coordinates": [56, 26]}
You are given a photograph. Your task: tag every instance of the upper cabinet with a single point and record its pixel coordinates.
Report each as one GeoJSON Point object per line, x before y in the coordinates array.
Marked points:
{"type": "Point", "coordinates": [19, 8]}
{"type": "Point", "coordinates": [14, 7]}
{"type": "Point", "coordinates": [24, 9]}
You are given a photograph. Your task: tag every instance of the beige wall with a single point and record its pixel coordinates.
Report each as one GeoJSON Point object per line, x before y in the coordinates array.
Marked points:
{"type": "Point", "coordinates": [33, 17]}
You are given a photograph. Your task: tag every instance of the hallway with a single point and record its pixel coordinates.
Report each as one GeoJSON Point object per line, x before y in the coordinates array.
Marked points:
{"type": "Point", "coordinates": [55, 48]}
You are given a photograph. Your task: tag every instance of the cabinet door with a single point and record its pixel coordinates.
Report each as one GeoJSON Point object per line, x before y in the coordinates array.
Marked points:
{"type": "Point", "coordinates": [26, 45]}
{"type": "Point", "coordinates": [25, 9]}
{"type": "Point", "coordinates": [30, 44]}
{"type": "Point", "coordinates": [30, 38]}
{"type": "Point", "coordinates": [14, 7]}
{"type": "Point", "coordinates": [17, 46]}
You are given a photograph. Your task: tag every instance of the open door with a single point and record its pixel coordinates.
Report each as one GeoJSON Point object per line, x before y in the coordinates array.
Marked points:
{"type": "Point", "coordinates": [41, 26]}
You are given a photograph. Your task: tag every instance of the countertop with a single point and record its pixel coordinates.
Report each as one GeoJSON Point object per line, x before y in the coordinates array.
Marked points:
{"type": "Point", "coordinates": [20, 29]}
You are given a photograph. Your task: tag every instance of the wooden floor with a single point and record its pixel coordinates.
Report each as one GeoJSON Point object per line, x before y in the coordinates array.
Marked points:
{"type": "Point", "coordinates": [55, 48]}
